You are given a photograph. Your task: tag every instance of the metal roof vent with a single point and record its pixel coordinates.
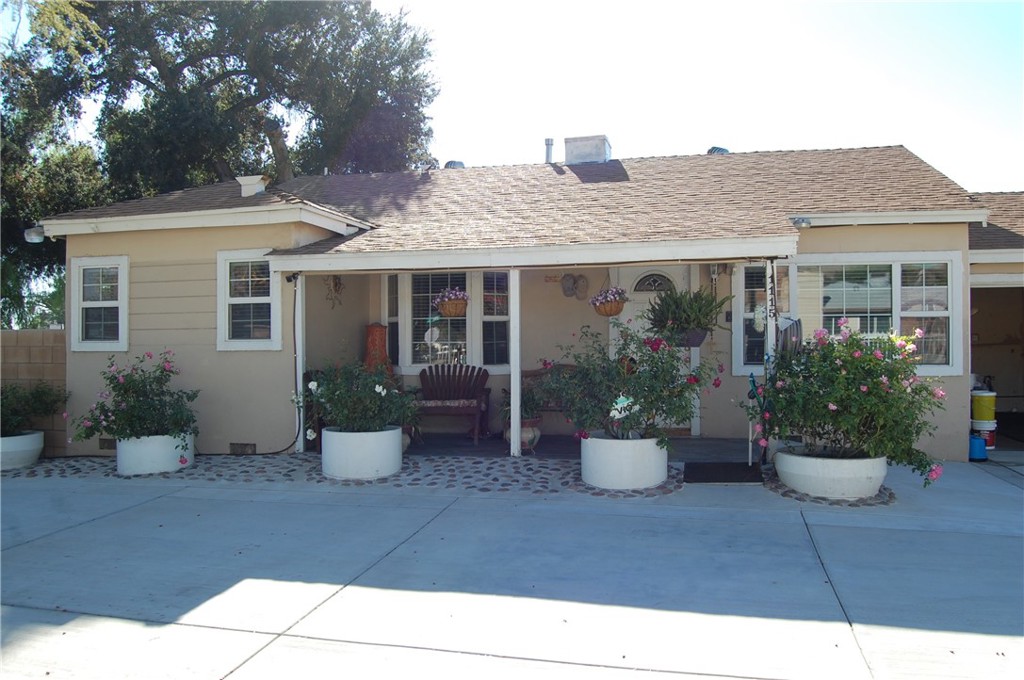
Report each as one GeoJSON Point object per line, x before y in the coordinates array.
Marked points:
{"type": "Point", "coordinates": [451, 165]}
{"type": "Point", "coordinates": [717, 151]}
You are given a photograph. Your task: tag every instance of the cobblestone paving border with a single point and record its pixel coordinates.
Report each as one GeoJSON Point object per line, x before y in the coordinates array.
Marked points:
{"type": "Point", "coordinates": [523, 475]}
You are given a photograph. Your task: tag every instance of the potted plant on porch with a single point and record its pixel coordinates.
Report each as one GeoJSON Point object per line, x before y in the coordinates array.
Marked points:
{"type": "Point", "coordinates": [857, 405]}
{"type": "Point", "coordinates": [20, 405]}
{"type": "Point", "coordinates": [530, 404]}
{"type": "Point", "coordinates": [153, 424]}
{"type": "Point", "coordinates": [363, 414]}
{"type": "Point", "coordinates": [619, 401]}
{"type": "Point", "coordinates": [685, 317]}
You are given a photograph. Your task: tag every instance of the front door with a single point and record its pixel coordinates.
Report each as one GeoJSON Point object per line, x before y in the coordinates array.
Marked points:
{"type": "Point", "coordinates": [642, 285]}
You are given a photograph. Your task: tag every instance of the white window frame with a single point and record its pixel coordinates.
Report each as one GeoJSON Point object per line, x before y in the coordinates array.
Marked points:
{"type": "Point", "coordinates": [953, 259]}
{"type": "Point", "coordinates": [224, 343]}
{"type": "Point", "coordinates": [474, 322]}
{"type": "Point", "coordinates": [78, 265]}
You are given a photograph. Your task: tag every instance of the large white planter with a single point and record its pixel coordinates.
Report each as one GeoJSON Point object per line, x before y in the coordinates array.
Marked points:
{"type": "Point", "coordinates": [21, 450]}
{"type": "Point", "coordinates": [150, 455]}
{"type": "Point", "coordinates": [839, 478]}
{"type": "Point", "coordinates": [622, 463]}
{"type": "Point", "coordinates": [361, 455]}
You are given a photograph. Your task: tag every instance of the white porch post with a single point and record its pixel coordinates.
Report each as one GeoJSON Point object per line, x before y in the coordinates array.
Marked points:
{"type": "Point", "coordinates": [771, 311]}
{"type": "Point", "coordinates": [695, 357]}
{"type": "Point", "coordinates": [515, 377]}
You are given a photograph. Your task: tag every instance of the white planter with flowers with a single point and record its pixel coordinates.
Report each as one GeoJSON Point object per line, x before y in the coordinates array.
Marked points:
{"type": "Point", "coordinates": [154, 454]}
{"type": "Point", "coordinates": [830, 477]}
{"type": "Point", "coordinates": [361, 455]}
{"type": "Point", "coordinates": [363, 414]}
{"type": "Point", "coordinates": [20, 406]}
{"type": "Point", "coordinates": [153, 424]}
{"type": "Point", "coordinates": [21, 450]}
{"type": "Point", "coordinates": [610, 463]}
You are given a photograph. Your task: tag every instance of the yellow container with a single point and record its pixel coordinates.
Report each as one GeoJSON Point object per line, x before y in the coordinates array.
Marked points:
{"type": "Point", "coordinates": [983, 405]}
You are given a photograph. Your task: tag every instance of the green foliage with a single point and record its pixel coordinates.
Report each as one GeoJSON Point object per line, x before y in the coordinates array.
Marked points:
{"type": "Point", "coordinates": [19, 405]}
{"type": "Point", "coordinates": [138, 401]}
{"type": "Point", "coordinates": [634, 390]}
{"type": "Point", "coordinates": [530, 403]}
{"type": "Point", "coordinates": [850, 395]}
{"type": "Point", "coordinates": [672, 313]}
{"type": "Point", "coordinates": [355, 399]}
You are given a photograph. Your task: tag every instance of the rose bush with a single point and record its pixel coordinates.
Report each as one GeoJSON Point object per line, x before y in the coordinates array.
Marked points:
{"type": "Point", "coordinates": [850, 395]}
{"type": "Point", "coordinates": [354, 399]}
{"type": "Point", "coordinates": [138, 401]}
{"type": "Point", "coordinates": [633, 391]}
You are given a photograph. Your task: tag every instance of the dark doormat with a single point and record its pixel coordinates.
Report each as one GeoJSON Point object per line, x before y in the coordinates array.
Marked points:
{"type": "Point", "coordinates": [721, 473]}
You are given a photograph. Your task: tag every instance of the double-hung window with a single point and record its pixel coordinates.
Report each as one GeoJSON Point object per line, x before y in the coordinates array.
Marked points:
{"type": "Point", "coordinates": [99, 304]}
{"type": "Point", "coordinates": [248, 302]}
{"type": "Point", "coordinates": [418, 334]}
{"type": "Point", "coordinates": [875, 293]}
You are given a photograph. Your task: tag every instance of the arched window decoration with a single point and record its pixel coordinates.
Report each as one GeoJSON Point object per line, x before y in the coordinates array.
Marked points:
{"type": "Point", "coordinates": [653, 283]}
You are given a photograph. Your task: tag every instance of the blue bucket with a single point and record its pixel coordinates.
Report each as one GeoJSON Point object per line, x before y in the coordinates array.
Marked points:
{"type": "Point", "coordinates": [978, 449]}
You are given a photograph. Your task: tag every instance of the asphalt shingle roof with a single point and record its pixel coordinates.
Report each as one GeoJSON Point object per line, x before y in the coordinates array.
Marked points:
{"type": "Point", "coordinates": [737, 195]}
{"type": "Point", "coordinates": [1005, 222]}
{"type": "Point", "coordinates": [643, 199]}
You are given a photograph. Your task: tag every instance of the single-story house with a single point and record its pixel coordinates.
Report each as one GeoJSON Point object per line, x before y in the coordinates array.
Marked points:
{"type": "Point", "coordinates": [252, 285]}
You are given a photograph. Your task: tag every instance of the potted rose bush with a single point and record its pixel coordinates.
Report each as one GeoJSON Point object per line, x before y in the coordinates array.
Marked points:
{"type": "Point", "coordinates": [848, 397]}
{"type": "Point", "coordinates": [621, 401]}
{"type": "Point", "coordinates": [20, 406]}
{"type": "Point", "coordinates": [362, 412]}
{"type": "Point", "coordinates": [153, 423]}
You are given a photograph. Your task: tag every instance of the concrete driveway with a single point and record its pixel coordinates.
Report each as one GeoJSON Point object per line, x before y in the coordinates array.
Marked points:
{"type": "Point", "coordinates": [213, 578]}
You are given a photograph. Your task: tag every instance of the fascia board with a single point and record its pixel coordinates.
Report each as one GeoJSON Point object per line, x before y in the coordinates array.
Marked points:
{"type": "Point", "coordinates": [996, 256]}
{"type": "Point", "coordinates": [712, 250]}
{"type": "Point", "coordinates": [997, 280]}
{"type": "Point", "coordinates": [899, 217]}
{"type": "Point", "coordinates": [236, 217]}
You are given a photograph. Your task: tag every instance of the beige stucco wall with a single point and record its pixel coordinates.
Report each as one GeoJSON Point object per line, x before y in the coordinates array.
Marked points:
{"type": "Point", "coordinates": [244, 395]}
{"type": "Point", "coordinates": [950, 439]}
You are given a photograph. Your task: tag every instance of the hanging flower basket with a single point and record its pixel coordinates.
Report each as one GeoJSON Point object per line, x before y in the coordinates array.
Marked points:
{"type": "Point", "coordinates": [609, 301]}
{"type": "Point", "coordinates": [613, 308]}
{"type": "Point", "coordinates": [452, 307]}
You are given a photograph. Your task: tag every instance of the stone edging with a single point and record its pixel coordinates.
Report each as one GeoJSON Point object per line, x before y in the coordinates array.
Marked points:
{"type": "Point", "coordinates": [885, 495]}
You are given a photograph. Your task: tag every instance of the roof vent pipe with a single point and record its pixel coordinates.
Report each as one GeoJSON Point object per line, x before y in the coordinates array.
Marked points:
{"type": "Point", "coordinates": [549, 144]}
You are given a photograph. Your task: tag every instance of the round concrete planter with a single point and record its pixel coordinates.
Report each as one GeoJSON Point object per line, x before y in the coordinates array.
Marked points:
{"type": "Point", "coordinates": [610, 463]}
{"type": "Point", "coordinates": [838, 478]}
{"type": "Point", "coordinates": [20, 450]}
{"type": "Point", "coordinates": [361, 455]}
{"type": "Point", "coordinates": [151, 455]}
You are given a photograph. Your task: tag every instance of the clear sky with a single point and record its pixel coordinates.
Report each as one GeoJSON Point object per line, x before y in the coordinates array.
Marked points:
{"type": "Point", "coordinates": [673, 77]}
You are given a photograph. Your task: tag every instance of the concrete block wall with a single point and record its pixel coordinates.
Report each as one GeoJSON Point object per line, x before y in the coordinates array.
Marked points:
{"type": "Point", "coordinates": [29, 356]}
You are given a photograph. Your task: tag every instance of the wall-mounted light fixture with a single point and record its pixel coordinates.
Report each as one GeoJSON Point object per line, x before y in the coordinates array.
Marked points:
{"type": "Point", "coordinates": [35, 235]}
{"type": "Point", "coordinates": [800, 222]}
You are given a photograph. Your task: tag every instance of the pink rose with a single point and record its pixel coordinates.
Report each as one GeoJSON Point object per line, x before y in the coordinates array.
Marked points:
{"type": "Point", "coordinates": [149, 355]}
{"type": "Point", "coordinates": [857, 354]}
{"type": "Point", "coordinates": [167, 366]}
{"type": "Point", "coordinates": [832, 407]}
{"type": "Point", "coordinates": [863, 388]}
{"type": "Point", "coordinates": [935, 472]}
{"type": "Point", "coordinates": [939, 393]}
{"type": "Point", "coordinates": [762, 442]}
{"type": "Point", "coordinates": [120, 379]}
{"type": "Point", "coordinates": [918, 333]}
{"type": "Point", "coordinates": [717, 382]}
{"type": "Point", "coordinates": [878, 354]}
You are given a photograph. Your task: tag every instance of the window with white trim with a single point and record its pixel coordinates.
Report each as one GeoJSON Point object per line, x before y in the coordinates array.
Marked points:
{"type": "Point", "coordinates": [874, 296]}
{"type": "Point", "coordinates": [99, 304]}
{"type": "Point", "coordinates": [248, 302]}
{"type": "Point", "coordinates": [419, 335]}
